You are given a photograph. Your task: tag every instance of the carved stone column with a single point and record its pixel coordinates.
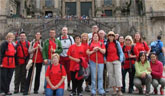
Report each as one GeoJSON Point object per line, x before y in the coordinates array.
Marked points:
{"type": "Point", "coordinates": [4, 11]}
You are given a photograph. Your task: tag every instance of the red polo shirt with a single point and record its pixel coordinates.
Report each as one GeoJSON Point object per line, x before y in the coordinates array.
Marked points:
{"type": "Point", "coordinates": [39, 58]}
{"type": "Point", "coordinates": [55, 75]}
{"type": "Point", "coordinates": [9, 60]}
{"type": "Point", "coordinates": [112, 52]}
{"type": "Point", "coordinates": [100, 56]}
{"type": "Point", "coordinates": [75, 52]}
{"type": "Point", "coordinates": [52, 45]}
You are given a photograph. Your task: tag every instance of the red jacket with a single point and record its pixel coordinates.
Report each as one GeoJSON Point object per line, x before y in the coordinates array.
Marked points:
{"type": "Point", "coordinates": [157, 70]}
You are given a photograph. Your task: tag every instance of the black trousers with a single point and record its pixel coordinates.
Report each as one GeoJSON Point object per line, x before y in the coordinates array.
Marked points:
{"type": "Point", "coordinates": [37, 77]}
{"type": "Point", "coordinates": [6, 76]}
{"type": "Point", "coordinates": [20, 77]}
{"type": "Point", "coordinates": [76, 84]}
{"type": "Point", "coordinates": [131, 77]}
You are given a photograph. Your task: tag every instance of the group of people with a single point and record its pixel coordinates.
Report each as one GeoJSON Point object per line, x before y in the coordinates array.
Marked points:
{"type": "Point", "coordinates": [68, 57]}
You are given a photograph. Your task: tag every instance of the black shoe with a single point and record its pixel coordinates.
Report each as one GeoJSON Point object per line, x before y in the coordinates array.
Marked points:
{"type": "Point", "coordinates": [140, 92]}
{"type": "Point", "coordinates": [130, 91]}
{"type": "Point", "coordinates": [35, 92]}
{"type": "Point", "coordinates": [16, 91]}
{"type": "Point", "coordinates": [8, 93]}
{"type": "Point", "coordinates": [103, 94]}
{"type": "Point", "coordinates": [25, 93]}
{"type": "Point", "coordinates": [123, 90]}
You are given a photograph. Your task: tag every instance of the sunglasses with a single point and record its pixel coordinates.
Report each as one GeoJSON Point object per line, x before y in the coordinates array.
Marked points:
{"type": "Point", "coordinates": [128, 40]}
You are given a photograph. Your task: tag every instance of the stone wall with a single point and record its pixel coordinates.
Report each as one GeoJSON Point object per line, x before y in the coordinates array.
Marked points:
{"type": "Point", "coordinates": [156, 5]}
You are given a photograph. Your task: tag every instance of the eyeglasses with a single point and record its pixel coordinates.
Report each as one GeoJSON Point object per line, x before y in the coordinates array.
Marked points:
{"type": "Point", "coordinates": [110, 35]}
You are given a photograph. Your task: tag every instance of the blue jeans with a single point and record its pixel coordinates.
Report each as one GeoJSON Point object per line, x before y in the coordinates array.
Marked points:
{"type": "Point", "coordinates": [161, 58]}
{"type": "Point", "coordinates": [46, 66]}
{"type": "Point", "coordinates": [59, 92]}
{"type": "Point", "coordinates": [99, 77]}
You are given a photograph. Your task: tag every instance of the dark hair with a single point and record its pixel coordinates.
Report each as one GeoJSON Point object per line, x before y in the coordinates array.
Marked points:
{"type": "Point", "coordinates": [141, 53]}
{"type": "Point", "coordinates": [158, 37]}
{"type": "Point", "coordinates": [94, 34]}
{"type": "Point", "coordinates": [153, 53]}
{"type": "Point", "coordinates": [22, 33]}
{"type": "Point", "coordinates": [77, 36]}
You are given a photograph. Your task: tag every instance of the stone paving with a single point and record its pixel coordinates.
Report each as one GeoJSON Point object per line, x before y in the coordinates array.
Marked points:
{"type": "Point", "coordinates": [41, 89]}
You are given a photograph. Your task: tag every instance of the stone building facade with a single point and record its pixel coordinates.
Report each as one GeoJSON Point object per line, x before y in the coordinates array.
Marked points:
{"type": "Point", "coordinates": [124, 16]}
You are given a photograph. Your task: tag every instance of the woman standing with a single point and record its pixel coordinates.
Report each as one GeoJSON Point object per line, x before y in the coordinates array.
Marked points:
{"type": "Point", "coordinates": [140, 44]}
{"type": "Point", "coordinates": [7, 63]}
{"type": "Point", "coordinates": [75, 52]}
{"type": "Point", "coordinates": [131, 54]}
{"type": "Point", "coordinates": [114, 58]}
{"type": "Point", "coordinates": [35, 45]}
{"type": "Point", "coordinates": [143, 73]}
{"type": "Point", "coordinates": [96, 50]}
{"type": "Point", "coordinates": [55, 76]}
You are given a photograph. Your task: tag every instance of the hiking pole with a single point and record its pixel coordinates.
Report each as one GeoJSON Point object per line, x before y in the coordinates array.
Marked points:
{"type": "Point", "coordinates": [96, 71]}
{"type": "Point", "coordinates": [31, 80]}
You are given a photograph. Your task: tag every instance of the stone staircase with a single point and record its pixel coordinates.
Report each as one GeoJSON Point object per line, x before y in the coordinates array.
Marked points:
{"type": "Point", "coordinates": [75, 26]}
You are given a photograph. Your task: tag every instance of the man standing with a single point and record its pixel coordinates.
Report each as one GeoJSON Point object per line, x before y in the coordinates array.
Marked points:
{"type": "Point", "coordinates": [50, 46]}
{"type": "Point", "coordinates": [22, 57]}
{"type": "Point", "coordinates": [66, 42]}
{"type": "Point", "coordinates": [95, 29]}
{"type": "Point", "coordinates": [157, 47]}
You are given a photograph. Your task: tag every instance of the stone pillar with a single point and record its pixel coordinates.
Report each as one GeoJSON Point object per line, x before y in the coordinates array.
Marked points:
{"type": "Point", "coordinates": [98, 8]}
{"type": "Point", "coordinates": [22, 9]}
{"type": "Point", "coordinates": [118, 11]}
{"type": "Point", "coordinates": [4, 11]}
{"type": "Point", "coordinates": [38, 4]}
{"type": "Point", "coordinates": [78, 8]}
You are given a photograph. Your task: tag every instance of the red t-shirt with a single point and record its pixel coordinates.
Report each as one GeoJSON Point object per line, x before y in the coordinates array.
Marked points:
{"type": "Point", "coordinates": [75, 52]}
{"type": "Point", "coordinates": [85, 45]}
{"type": "Point", "coordinates": [127, 62]}
{"type": "Point", "coordinates": [20, 54]}
{"type": "Point", "coordinates": [52, 45]}
{"type": "Point", "coordinates": [142, 46]}
{"type": "Point", "coordinates": [39, 58]}
{"type": "Point", "coordinates": [112, 52]}
{"type": "Point", "coordinates": [9, 62]}
{"type": "Point", "coordinates": [55, 75]}
{"type": "Point", "coordinates": [100, 56]}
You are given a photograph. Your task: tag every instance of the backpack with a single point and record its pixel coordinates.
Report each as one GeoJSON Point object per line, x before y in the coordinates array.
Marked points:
{"type": "Point", "coordinates": [132, 51]}
{"type": "Point", "coordinates": [155, 47]}
{"type": "Point", "coordinates": [67, 38]}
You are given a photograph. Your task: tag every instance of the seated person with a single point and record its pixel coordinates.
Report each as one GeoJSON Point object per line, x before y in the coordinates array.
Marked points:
{"type": "Point", "coordinates": [143, 73]}
{"type": "Point", "coordinates": [157, 73]}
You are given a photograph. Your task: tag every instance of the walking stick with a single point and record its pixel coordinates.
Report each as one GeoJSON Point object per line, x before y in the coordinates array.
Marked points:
{"type": "Point", "coordinates": [96, 71]}
{"type": "Point", "coordinates": [31, 80]}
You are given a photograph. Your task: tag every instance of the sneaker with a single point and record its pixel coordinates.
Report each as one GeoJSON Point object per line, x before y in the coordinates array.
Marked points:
{"type": "Point", "coordinates": [8, 93]}
{"type": "Point", "coordinates": [87, 89]}
{"type": "Point", "coordinates": [69, 89]}
{"type": "Point", "coordinates": [120, 93]}
{"type": "Point", "coordinates": [72, 94]}
{"type": "Point", "coordinates": [161, 91]}
{"type": "Point", "coordinates": [79, 94]}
